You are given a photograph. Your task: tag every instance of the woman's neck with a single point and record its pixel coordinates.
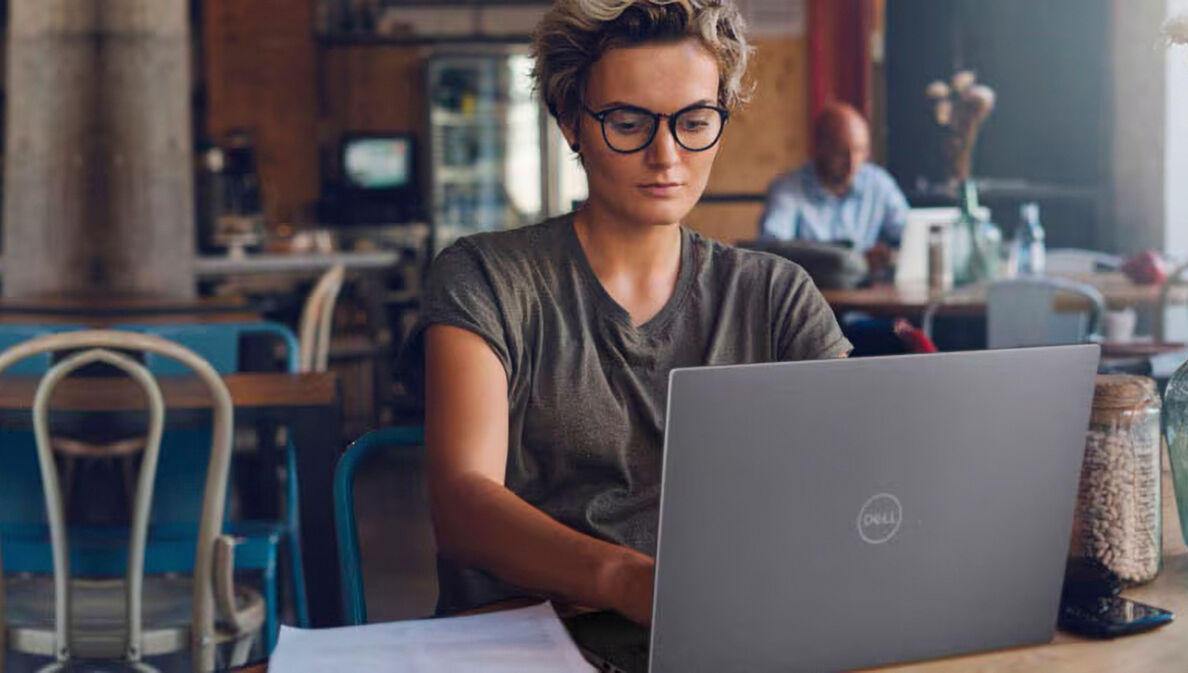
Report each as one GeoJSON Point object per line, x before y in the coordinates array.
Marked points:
{"type": "Point", "coordinates": [616, 247]}
{"type": "Point", "coordinates": [638, 265]}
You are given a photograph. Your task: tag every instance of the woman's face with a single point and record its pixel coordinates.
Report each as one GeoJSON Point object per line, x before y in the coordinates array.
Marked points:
{"type": "Point", "coordinates": [661, 183]}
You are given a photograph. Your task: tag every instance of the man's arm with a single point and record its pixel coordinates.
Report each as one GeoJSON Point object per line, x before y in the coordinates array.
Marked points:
{"type": "Point", "coordinates": [895, 212]}
{"type": "Point", "coordinates": [478, 521]}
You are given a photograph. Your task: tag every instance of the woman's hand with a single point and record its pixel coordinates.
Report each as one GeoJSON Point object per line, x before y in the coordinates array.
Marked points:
{"type": "Point", "coordinates": [628, 585]}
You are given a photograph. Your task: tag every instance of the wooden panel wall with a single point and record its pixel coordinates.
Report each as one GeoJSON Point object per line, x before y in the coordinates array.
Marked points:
{"type": "Point", "coordinates": [261, 74]}
{"type": "Point", "coordinates": [766, 138]}
{"type": "Point", "coordinates": [375, 88]}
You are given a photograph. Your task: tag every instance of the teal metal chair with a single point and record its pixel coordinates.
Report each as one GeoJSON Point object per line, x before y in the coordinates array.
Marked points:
{"type": "Point", "coordinates": [354, 606]}
{"type": "Point", "coordinates": [220, 344]}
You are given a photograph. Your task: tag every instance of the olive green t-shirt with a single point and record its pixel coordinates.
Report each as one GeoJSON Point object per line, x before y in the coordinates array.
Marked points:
{"type": "Point", "coordinates": [587, 389]}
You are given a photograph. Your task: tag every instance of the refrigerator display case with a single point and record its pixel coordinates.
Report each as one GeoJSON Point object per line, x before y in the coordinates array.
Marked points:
{"type": "Point", "coordinates": [496, 158]}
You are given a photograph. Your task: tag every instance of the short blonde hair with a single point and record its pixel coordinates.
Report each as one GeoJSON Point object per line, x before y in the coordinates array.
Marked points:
{"type": "Point", "coordinates": [574, 34]}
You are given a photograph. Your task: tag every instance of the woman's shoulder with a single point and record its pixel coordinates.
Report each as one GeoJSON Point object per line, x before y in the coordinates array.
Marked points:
{"type": "Point", "coordinates": [752, 266]}
{"type": "Point", "coordinates": [507, 250]}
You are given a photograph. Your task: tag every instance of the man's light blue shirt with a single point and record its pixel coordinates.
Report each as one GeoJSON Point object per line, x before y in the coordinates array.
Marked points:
{"type": "Point", "coordinates": [798, 206]}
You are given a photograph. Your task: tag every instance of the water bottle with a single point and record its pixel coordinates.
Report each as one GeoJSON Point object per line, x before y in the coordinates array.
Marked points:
{"type": "Point", "coordinates": [1029, 242]}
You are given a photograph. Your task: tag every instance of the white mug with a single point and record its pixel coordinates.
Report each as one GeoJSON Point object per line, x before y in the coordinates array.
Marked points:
{"type": "Point", "coordinates": [1119, 325]}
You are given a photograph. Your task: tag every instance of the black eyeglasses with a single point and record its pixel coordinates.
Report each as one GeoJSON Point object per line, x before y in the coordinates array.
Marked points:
{"type": "Point", "coordinates": [627, 128]}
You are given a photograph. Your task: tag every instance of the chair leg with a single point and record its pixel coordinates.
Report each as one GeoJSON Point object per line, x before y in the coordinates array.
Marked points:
{"type": "Point", "coordinates": [293, 538]}
{"type": "Point", "coordinates": [270, 599]}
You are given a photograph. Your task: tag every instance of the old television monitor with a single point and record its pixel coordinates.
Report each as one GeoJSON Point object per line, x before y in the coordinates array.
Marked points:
{"type": "Point", "coordinates": [378, 178]}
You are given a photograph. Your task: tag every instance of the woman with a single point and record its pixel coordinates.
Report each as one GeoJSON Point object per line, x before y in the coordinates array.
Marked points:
{"type": "Point", "coordinates": [546, 350]}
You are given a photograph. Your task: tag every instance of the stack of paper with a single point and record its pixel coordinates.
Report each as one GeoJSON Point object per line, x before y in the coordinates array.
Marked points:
{"type": "Point", "coordinates": [517, 641]}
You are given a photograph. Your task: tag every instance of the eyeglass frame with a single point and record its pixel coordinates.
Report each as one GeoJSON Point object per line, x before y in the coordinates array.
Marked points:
{"type": "Point", "coordinates": [600, 117]}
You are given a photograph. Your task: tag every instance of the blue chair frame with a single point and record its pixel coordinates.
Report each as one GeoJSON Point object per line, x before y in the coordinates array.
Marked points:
{"type": "Point", "coordinates": [354, 605]}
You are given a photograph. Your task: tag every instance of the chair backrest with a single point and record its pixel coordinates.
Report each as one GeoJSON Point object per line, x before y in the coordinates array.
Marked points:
{"type": "Point", "coordinates": [218, 343]}
{"type": "Point", "coordinates": [354, 606]}
{"type": "Point", "coordinates": [317, 319]}
{"type": "Point", "coordinates": [13, 334]}
{"type": "Point", "coordinates": [20, 491]}
{"type": "Point", "coordinates": [1076, 260]}
{"type": "Point", "coordinates": [100, 344]}
{"type": "Point", "coordinates": [1022, 312]}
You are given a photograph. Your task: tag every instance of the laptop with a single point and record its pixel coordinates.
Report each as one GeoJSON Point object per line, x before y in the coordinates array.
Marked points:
{"type": "Point", "coordinates": [838, 514]}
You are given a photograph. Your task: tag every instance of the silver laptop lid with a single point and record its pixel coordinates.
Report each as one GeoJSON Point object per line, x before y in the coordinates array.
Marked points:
{"type": "Point", "coordinates": [847, 513]}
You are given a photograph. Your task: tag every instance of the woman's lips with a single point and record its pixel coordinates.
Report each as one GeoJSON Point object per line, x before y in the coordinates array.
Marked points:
{"type": "Point", "coordinates": [661, 189]}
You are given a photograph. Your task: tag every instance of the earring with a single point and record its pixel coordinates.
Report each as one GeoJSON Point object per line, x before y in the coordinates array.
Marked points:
{"type": "Point", "coordinates": [574, 146]}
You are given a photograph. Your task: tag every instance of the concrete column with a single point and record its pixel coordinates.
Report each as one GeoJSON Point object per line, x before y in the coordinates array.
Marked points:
{"type": "Point", "coordinates": [98, 178]}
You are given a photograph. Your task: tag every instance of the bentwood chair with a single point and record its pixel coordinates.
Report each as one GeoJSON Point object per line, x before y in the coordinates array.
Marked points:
{"type": "Point", "coordinates": [135, 615]}
{"type": "Point", "coordinates": [354, 606]}
{"type": "Point", "coordinates": [317, 318]}
{"type": "Point", "coordinates": [220, 345]}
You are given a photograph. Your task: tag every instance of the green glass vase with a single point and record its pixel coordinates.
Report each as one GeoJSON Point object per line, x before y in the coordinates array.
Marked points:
{"type": "Point", "coordinates": [976, 241]}
{"type": "Point", "coordinates": [1175, 431]}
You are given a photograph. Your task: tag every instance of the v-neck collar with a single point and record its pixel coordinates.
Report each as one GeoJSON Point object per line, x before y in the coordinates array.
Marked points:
{"type": "Point", "coordinates": [613, 309]}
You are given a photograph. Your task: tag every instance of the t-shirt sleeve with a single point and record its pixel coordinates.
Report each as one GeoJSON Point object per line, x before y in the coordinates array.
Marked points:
{"type": "Point", "coordinates": [460, 293]}
{"type": "Point", "coordinates": [806, 328]}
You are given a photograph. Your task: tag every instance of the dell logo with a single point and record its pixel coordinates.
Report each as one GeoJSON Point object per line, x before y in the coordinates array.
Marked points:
{"type": "Point", "coordinates": [879, 518]}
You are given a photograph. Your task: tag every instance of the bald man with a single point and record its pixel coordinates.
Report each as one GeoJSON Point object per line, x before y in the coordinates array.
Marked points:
{"type": "Point", "coordinates": [838, 196]}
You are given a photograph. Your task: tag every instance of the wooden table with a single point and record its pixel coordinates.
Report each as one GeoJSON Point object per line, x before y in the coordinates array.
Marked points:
{"type": "Point", "coordinates": [309, 404]}
{"type": "Point", "coordinates": [910, 301]}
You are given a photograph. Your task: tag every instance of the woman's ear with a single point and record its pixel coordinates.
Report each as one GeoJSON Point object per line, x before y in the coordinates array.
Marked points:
{"type": "Point", "coordinates": [570, 133]}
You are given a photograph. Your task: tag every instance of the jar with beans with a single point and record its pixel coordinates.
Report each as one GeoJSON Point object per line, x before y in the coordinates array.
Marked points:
{"type": "Point", "coordinates": [1118, 503]}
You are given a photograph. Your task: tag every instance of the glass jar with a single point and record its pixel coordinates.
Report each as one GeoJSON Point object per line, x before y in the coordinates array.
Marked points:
{"type": "Point", "coordinates": [1118, 515]}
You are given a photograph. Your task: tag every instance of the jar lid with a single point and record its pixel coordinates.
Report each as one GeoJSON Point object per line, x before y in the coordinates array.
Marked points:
{"type": "Point", "coordinates": [1124, 391]}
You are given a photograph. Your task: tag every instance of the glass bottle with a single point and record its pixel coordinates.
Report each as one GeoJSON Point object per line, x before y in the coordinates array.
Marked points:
{"type": "Point", "coordinates": [1029, 242]}
{"type": "Point", "coordinates": [1119, 506]}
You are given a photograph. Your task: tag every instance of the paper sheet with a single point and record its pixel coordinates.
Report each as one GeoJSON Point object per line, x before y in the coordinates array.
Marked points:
{"type": "Point", "coordinates": [527, 640]}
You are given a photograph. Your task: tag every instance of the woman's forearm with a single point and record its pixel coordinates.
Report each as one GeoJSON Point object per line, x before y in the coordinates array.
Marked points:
{"type": "Point", "coordinates": [481, 523]}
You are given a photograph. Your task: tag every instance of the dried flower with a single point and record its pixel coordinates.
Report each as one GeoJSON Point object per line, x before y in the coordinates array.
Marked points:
{"type": "Point", "coordinates": [944, 112]}
{"type": "Point", "coordinates": [961, 109]}
{"type": "Point", "coordinates": [981, 100]}
{"type": "Point", "coordinates": [963, 79]}
{"type": "Point", "coordinates": [937, 89]}
{"type": "Point", "coordinates": [1176, 29]}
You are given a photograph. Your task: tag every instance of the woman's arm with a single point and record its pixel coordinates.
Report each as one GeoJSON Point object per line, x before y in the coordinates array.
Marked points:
{"type": "Point", "coordinates": [478, 521]}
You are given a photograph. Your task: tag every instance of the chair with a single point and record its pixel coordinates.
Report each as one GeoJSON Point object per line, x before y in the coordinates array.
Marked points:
{"type": "Point", "coordinates": [1078, 261]}
{"type": "Point", "coordinates": [354, 606]}
{"type": "Point", "coordinates": [317, 318]}
{"type": "Point", "coordinates": [220, 344]}
{"type": "Point", "coordinates": [134, 616]}
{"type": "Point", "coordinates": [1021, 312]}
